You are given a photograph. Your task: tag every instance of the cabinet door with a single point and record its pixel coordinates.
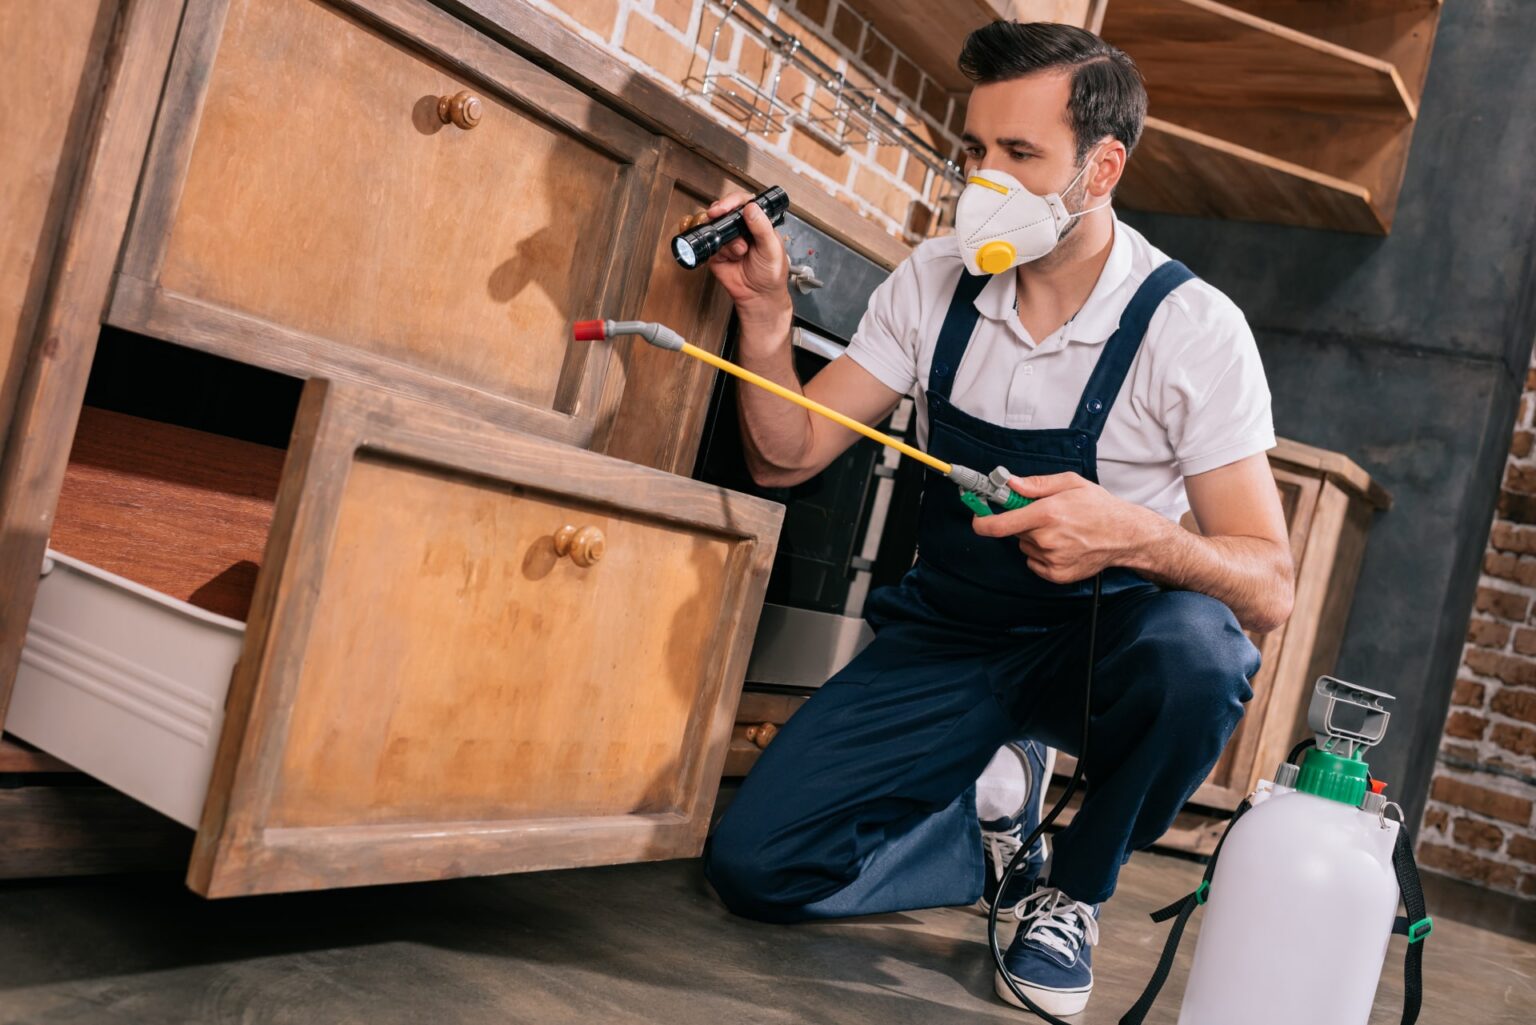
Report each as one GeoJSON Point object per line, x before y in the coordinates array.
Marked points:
{"type": "Point", "coordinates": [471, 651]}
{"type": "Point", "coordinates": [1275, 688]}
{"type": "Point", "coordinates": [656, 400]}
{"type": "Point", "coordinates": [52, 55]}
{"type": "Point", "coordinates": [306, 207]}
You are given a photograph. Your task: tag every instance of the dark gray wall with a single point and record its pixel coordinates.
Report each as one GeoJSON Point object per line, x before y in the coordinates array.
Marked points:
{"type": "Point", "coordinates": [1407, 353]}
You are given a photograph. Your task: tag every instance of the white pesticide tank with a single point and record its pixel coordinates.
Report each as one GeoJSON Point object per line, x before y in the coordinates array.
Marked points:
{"type": "Point", "coordinates": [1300, 909]}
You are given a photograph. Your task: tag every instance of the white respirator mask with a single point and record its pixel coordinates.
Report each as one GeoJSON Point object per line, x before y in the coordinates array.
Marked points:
{"type": "Point", "coordinates": [1001, 224]}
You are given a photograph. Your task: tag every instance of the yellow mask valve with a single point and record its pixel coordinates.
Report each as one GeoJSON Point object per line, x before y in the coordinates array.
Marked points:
{"type": "Point", "coordinates": [995, 257]}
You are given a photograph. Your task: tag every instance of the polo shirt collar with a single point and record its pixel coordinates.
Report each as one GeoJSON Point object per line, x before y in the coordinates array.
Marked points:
{"type": "Point", "coordinates": [1100, 315]}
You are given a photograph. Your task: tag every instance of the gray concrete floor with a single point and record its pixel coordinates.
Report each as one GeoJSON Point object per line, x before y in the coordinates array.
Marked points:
{"type": "Point", "coordinates": [640, 943]}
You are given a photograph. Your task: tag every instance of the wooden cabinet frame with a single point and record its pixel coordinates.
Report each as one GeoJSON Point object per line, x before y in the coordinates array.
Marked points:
{"type": "Point", "coordinates": [59, 359]}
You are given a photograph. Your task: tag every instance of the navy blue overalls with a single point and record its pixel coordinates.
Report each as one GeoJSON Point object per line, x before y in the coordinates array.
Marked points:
{"type": "Point", "coordinates": [865, 802]}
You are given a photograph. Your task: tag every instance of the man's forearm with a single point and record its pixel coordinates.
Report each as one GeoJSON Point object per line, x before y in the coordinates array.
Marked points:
{"type": "Point", "coordinates": [1254, 576]}
{"type": "Point", "coordinates": [776, 435]}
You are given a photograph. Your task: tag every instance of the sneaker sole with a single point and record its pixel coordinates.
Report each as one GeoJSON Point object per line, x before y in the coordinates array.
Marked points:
{"type": "Point", "coordinates": [1051, 1001]}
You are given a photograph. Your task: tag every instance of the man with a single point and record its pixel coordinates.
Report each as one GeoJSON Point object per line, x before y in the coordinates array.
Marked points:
{"type": "Point", "coordinates": [1047, 337]}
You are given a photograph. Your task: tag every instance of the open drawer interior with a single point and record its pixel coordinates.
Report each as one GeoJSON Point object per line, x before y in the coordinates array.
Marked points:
{"type": "Point", "coordinates": [174, 470]}
{"type": "Point", "coordinates": [466, 650]}
{"type": "Point", "coordinates": [161, 523]}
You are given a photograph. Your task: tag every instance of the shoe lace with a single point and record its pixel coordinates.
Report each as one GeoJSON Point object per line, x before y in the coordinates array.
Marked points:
{"type": "Point", "coordinates": [1003, 845]}
{"type": "Point", "coordinates": [1055, 920]}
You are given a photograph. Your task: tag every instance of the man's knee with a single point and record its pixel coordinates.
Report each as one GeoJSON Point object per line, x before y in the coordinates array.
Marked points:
{"type": "Point", "coordinates": [744, 879]}
{"type": "Point", "coordinates": [1199, 661]}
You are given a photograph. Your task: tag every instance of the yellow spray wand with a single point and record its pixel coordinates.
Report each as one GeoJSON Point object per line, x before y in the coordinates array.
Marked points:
{"type": "Point", "coordinates": [976, 490]}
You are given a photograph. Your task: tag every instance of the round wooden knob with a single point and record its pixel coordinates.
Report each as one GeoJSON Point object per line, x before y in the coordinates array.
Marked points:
{"type": "Point", "coordinates": [585, 545]}
{"type": "Point", "coordinates": [462, 109]}
{"type": "Point", "coordinates": [762, 733]}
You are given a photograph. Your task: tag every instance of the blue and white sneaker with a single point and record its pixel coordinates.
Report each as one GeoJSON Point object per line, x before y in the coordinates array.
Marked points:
{"type": "Point", "coordinates": [1051, 956]}
{"type": "Point", "coordinates": [1030, 762]}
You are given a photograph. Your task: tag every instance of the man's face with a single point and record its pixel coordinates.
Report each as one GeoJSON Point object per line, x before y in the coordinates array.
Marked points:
{"type": "Point", "coordinates": [1021, 127]}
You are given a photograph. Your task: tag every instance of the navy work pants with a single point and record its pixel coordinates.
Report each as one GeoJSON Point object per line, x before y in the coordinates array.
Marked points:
{"type": "Point", "coordinates": [864, 802]}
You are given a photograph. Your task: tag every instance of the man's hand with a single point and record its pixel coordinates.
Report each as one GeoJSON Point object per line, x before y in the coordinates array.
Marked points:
{"type": "Point", "coordinates": [784, 444]}
{"type": "Point", "coordinates": [1072, 529]}
{"type": "Point", "coordinates": [755, 276]}
{"type": "Point", "coordinates": [1242, 555]}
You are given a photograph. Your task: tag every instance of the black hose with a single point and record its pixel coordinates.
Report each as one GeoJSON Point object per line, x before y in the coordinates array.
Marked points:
{"type": "Point", "coordinates": [1299, 748]}
{"type": "Point", "coordinates": [1050, 818]}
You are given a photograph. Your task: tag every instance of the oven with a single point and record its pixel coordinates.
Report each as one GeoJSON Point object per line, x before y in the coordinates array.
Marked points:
{"type": "Point", "coordinates": [851, 528]}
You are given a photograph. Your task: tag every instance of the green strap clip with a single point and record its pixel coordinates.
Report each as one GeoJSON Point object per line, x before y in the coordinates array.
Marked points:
{"type": "Point", "coordinates": [1202, 892]}
{"type": "Point", "coordinates": [1420, 929]}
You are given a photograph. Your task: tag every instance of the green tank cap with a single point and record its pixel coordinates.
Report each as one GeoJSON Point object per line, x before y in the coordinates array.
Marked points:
{"type": "Point", "coordinates": [1329, 775]}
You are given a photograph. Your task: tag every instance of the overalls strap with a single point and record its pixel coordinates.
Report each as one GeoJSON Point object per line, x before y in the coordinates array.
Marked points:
{"type": "Point", "coordinates": [955, 335]}
{"type": "Point", "coordinates": [1109, 373]}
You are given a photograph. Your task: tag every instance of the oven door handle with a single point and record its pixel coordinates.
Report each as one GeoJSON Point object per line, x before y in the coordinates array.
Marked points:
{"type": "Point", "coordinates": [810, 341]}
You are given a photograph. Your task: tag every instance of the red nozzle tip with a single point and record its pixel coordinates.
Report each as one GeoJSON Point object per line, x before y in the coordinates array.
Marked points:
{"type": "Point", "coordinates": [589, 331]}
{"type": "Point", "coordinates": [1378, 785]}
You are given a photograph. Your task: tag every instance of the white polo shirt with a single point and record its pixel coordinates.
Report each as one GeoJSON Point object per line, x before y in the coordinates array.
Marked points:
{"type": "Point", "coordinates": [1195, 396]}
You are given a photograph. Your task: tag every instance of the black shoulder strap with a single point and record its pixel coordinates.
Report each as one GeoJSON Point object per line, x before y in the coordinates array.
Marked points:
{"type": "Point", "coordinates": [1115, 361]}
{"type": "Point", "coordinates": [955, 335]}
{"type": "Point", "coordinates": [1415, 925]}
{"type": "Point", "coordinates": [1183, 908]}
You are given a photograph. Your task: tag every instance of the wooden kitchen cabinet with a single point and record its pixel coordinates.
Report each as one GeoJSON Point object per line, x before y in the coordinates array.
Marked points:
{"type": "Point", "coordinates": [487, 625]}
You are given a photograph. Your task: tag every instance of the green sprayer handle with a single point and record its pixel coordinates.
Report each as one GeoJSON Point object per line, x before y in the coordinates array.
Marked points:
{"type": "Point", "coordinates": [981, 507]}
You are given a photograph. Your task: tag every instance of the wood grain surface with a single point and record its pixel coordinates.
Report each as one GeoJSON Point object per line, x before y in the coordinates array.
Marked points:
{"type": "Point", "coordinates": [363, 219]}
{"type": "Point", "coordinates": [427, 689]}
{"type": "Point", "coordinates": [184, 512]}
{"type": "Point", "coordinates": [53, 384]}
{"type": "Point", "coordinates": [50, 77]}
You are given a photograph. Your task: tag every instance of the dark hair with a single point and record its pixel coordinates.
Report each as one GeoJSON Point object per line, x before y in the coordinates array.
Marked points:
{"type": "Point", "coordinates": [1108, 94]}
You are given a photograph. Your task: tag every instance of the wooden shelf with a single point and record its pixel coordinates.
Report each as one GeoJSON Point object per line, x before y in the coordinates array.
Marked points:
{"type": "Point", "coordinates": [931, 34]}
{"type": "Point", "coordinates": [1199, 53]}
{"type": "Point", "coordinates": [1401, 32]}
{"type": "Point", "coordinates": [1182, 171]}
{"type": "Point", "coordinates": [1336, 466]}
{"type": "Point", "coordinates": [1266, 110]}
{"type": "Point", "coordinates": [1305, 119]}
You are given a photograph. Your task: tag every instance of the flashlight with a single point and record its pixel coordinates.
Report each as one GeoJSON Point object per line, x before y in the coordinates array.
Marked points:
{"type": "Point", "coordinates": [692, 248]}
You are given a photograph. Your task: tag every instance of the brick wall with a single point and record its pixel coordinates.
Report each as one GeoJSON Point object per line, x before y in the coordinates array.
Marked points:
{"type": "Point", "coordinates": [668, 39]}
{"type": "Point", "coordinates": [1479, 823]}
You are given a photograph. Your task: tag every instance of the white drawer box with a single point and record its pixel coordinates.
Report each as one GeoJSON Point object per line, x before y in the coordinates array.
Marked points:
{"type": "Point", "coordinates": [126, 684]}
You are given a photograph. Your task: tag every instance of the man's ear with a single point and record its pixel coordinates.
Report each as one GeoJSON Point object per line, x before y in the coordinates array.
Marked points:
{"type": "Point", "coordinates": [1110, 167]}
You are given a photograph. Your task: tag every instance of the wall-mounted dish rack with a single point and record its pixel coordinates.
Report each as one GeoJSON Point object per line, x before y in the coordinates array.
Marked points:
{"type": "Point", "coordinates": [837, 115]}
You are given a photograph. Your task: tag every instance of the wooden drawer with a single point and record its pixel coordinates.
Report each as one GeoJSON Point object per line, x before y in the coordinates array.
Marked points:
{"type": "Point", "coordinates": [429, 688]}
{"type": "Point", "coordinates": [305, 208]}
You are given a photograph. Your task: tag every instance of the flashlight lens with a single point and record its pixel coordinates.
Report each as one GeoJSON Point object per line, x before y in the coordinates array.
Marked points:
{"type": "Point", "coordinates": [685, 254]}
